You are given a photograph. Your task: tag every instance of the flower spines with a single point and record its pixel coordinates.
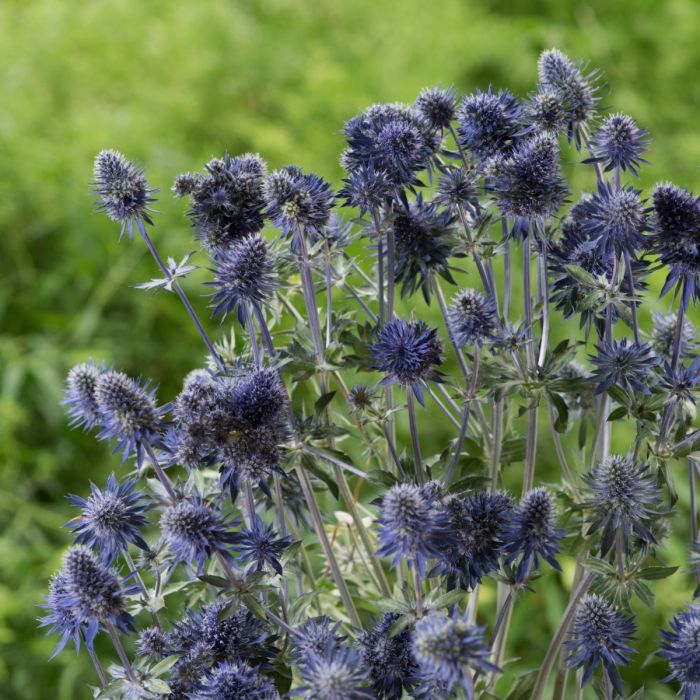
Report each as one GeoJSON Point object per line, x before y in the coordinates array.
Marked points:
{"type": "Point", "coordinates": [457, 191]}
{"type": "Point", "coordinates": [532, 533]}
{"type": "Point", "coordinates": [681, 648]}
{"type": "Point", "coordinates": [236, 681]}
{"type": "Point", "coordinates": [600, 636]}
{"type": "Point", "coordinates": [619, 143]}
{"type": "Point", "coordinates": [260, 545]}
{"type": "Point", "coordinates": [122, 190]}
{"type": "Point", "coordinates": [620, 362]}
{"type": "Point", "coordinates": [316, 636]}
{"type": "Point", "coordinates": [80, 394]}
{"type": "Point", "coordinates": [472, 318]}
{"type": "Point", "coordinates": [662, 335]}
{"type": "Point", "coordinates": [110, 518]}
{"type": "Point", "coordinates": [334, 674]}
{"type": "Point", "coordinates": [366, 188]}
{"type": "Point", "coordinates": [437, 106]}
{"type": "Point", "coordinates": [545, 111]}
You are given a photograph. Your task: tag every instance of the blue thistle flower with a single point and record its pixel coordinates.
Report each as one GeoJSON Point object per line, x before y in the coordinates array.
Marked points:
{"type": "Point", "coordinates": [128, 412]}
{"type": "Point", "coordinates": [194, 532]}
{"type": "Point", "coordinates": [449, 649]}
{"type": "Point", "coordinates": [394, 139]}
{"type": "Point", "coordinates": [531, 533]}
{"type": "Point", "coordinates": [619, 143]}
{"type": "Point", "coordinates": [423, 235]}
{"type": "Point", "coordinates": [407, 351]}
{"type": "Point", "coordinates": [600, 636]}
{"type": "Point", "coordinates": [227, 201]}
{"type": "Point", "coordinates": [457, 191]}
{"type": "Point", "coordinates": [527, 186]}
{"type": "Point", "coordinates": [681, 648]}
{"type": "Point", "coordinates": [62, 617]}
{"type": "Point", "coordinates": [360, 397]}
{"type": "Point", "coordinates": [617, 217]}
{"type": "Point", "coordinates": [676, 238]}
{"type": "Point", "coordinates": [259, 544]}
{"type": "Point", "coordinates": [663, 331]}
{"type": "Point", "coordinates": [80, 394]}
{"type": "Point", "coordinates": [366, 188]}
{"type": "Point", "coordinates": [236, 681]}
{"type": "Point", "coordinates": [680, 384]}
{"type": "Point", "coordinates": [489, 124]}
{"type": "Point", "coordinates": [298, 202]}
{"type": "Point", "coordinates": [316, 637]}
{"type": "Point", "coordinates": [622, 499]}
{"type": "Point", "coordinates": [411, 527]}
{"type": "Point", "coordinates": [478, 525]}
{"type": "Point", "coordinates": [545, 111]}
{"type": "Point", "coordinates": [623, 363]}
{"type": "Point", "coordinates": [389, 657]}
{"type": "Point", "coordinates": [122, 190]}
{"type": "Point", "coordinates": [437, 106]}
{"type": "Point", "coordinates": [335, 674]}
{"type": "Point", "coordinates": [244, 274]}
{"type": "Point", "coordinates": [257, 399]}
{"type": "Point", "coordinates": [110, 519]}
{"type": "Point", "coordinates": [472, 317]}
{"type": "Point", "coordinates": [153, 643]}
{"type": "Point", "coordinates": [561, 76]}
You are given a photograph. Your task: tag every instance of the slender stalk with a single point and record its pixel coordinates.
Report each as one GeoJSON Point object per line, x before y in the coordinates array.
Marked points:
{"type": "Point", "coordinates": [329, 296]}
{"type": "Point", "coordinates": [559, 449]}
{"type": "Point", "coordinates": [559, 636]}
{"type": "Point", "coordinates": [418, 586]}
{"type": "Point", "coordinates": [530, 449]}
{"type": "Point", "coordinates": [380, 279]}
{"type": "Point", "coordinates": [693, 502]}
{"type": "Point", "coordinates": [446, 319]}
{"type": "Point", "coordinates": [502, 614]}
{"type": "Point", "coordinates": [630, 281]}
{"type": "Point", "coordinates": [321, 453]}
{"type": "Point", "coordinates": [252, 339]}
{"type": "Point", "coordinates": [142, 585]}
{"type": "Point", "coordinates": [392, 451]}
{"type": "Point", "coordinates": [415, 442]}
{"type": "Point", "coordinates": [443, 408]}
{"type": "Point", "coordinates": [507, 270]}
{"type": "Point", "coordinates": [485, 280]}
{"type": "Point", "coordinates": [98, 666]}
{"type": "Point", "coordinates": [544, 290]}
{"type": "Point", "coordinates": [390, 265]}
{"type": "Point", "coordinates": [180, 292]}
{"type": "Point", "coordinates": [678, 332]}
{"type": "Point", "coordinates": [121, 653]}
{"type": "Point", "coordinates": [619, 555]}
{"type": "Point", "coordinates": [162, 476]}
{"type": "Point", "coordinates": [497, 431]}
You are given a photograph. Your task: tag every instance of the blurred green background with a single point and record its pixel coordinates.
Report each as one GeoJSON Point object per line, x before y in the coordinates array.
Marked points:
{"type": "Point", "coordinates": [173, 83]}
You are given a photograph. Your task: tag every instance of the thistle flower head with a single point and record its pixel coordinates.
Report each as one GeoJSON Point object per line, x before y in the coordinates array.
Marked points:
{"type": "Point", "coordinates": [622, 499]}
{"type": "Point", "coordinates": [620, 143]}
{"type": "Point", "coordinates": [680, 383]}
{"type": "Point", "coordinates": [335, 674]}
{"type": "Point", "coordinates": [244, 274]}
{"type": "Point", "coordinates": [80, 394]}
{"type": "Point", "coordinates": [257, 399]}
{"type": "Point", "coordinates": [450, 649]}
{"type": "Point", "coordinates": [437, 106]}
{"type": "Point", "coordinates": [489, 123]}
{"type": "Point", "coordinates": [122, 190]}
{"type": "Point", "coordinates": [662, 334]}
{"type": "Point", "coordinates": [457, 191]}
{"type": "Point", "coordinates": [532, 533]}
{"type": "Point", "coordinates": [109, 519]}
{"type": "Point", "coordinates": [600, 636]}
{"type": "Point", "coordinates": [316, 636]}
{"type": "Point", "coordinates": [423, 234]}
{"type": "Point", "coordinates": [392, 138]}
{"type": "Point", "coordinates": [227, 200]}
{"type": "Point", "coordinates": [298, 203]}
{"type": "Point", "coordinates": [407, 351]}
{"type": "Point", "coordinates": [194, 531]}
{"type": "Point", "coordinates": [236, 681]}
{"type": "Point", "coordinates": [411, 527]}
{"type": "Point", "coordinates": [545, 111]}
{"type": "Point", "coordinates": [565, 78]}
{"type": "Point", "coordinates": [62, 617]}
{"type": "Point", "coordinates": [623, 363]}
{"type": "Point", "coordinates": [153, 643]}
{"type": "Point", "coordinates": [128, 412]}
{"type": "Point", "coordinates": [366, 188]}
{"type": "Point", "coordinates": [472, 317]}
{"type": "Point", "coordinates": [681, 647]}
{"type": "Point", "coordinates": [260, 545]}
{"type": "Point", "coordinates": [360, 397]}
{"type": "Point", "coordinates": [389, 657]}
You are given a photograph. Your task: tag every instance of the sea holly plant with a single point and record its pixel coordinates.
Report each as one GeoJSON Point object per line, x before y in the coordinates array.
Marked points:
{"type": "Point", "coordinates": [394, 437]}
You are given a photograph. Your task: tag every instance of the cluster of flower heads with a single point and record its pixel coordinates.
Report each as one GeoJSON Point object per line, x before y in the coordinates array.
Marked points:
{"type": "Point", "coordinates": [239, 456]}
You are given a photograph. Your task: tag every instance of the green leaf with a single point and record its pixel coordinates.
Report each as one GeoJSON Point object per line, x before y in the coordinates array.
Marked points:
{"type": "Point", "coordinates": [323, 401]}
{"type": "Point", "coordinates": [217, 581]}
{"type": "Point", "coordinates": [619, 412]}
{"type": "Point", "coordinates": [655, 573]}
{"type": "Point", "coordinates": [447, 599]}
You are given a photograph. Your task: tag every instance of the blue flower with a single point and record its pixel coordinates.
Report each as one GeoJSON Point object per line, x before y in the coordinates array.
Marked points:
{"type": "Point", "coordinates": [244, 274]}
{"type": "Point", "coordinates": [62, 617]}
{"type": "Point", "coordinates": [600, 635]}
{"type": "Point", "coordinates": [681, 648]}
{"type": "Point", "coordinates": [622, 363]}
{"type": "Point", "coordinates": [236, 681]}
{"type": "Point", "coordinates": [80, 394]}
{"type": "Point", "coordinates": [411, 527]}
{"type": "Point", "coordinates": [623, 498]}
{"type": "Point", "coordinates": [437, 106]}
{"type": "Point", "coordinates": [472, 317]}
{"type": "Point", "coordinates": [122, 190]}
{"type": "Point", "coordinates": [531, 533]}
{"type": "Point", "coordinates": [259, 544]}
{"type": "Point", "coordinates": [389, 658]}
{"type": "Point", "coordinates": [662, 335]}
{"type": "Point", "coordinates": [407, 352]}
{"type": "Point", "coordinates": [457, 191]}
{"type": "Point", "coordinates": [334, 674]}
{"type": "Point", "coordinates": [153, 643]}
{"type": "Point", "coordinates": [680, 384]}
{"type": "Point", "coordinates": [489, 124]}
{"type": "Point", "coordinates": [449, 649]}
{"type": "Point", "coordinates": [424, 241]}
{"type": "Point", "coordinates": [619, 143]}
{"type": "Point", "coordinates": [110, 519]}
{"type": "Point", "coordinates": [194, 532]}
{"type": "Point", "coordinates": [545, 111]}
{"type": "Point", "coordinates": [316, 637]}
{"type": "Point", "coordinates": [366, 188]}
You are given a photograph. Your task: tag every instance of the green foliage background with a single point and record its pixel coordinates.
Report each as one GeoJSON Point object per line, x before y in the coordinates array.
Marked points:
{"type": "Point", "coordinates": [171, 84]}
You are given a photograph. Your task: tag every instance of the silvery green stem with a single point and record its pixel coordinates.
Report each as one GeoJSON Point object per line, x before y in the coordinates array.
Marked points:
{"type": "Point", "coordinates": [309, 293]}
{"type": "Point", "coordinates": [336, 461]}
{"type": "Point", "coordinates": [98, 666]}
{"type": "Point", "coordinates": [678, 332]}
{"type": "Point", "coordinates": [418, 587]}
{"type": "Point", "coordinates": [162, 476]}
{"type": "Point", "coordinates": [180, 292]}
{"type": "Point", "coordinates": [503, 613]}
{"type": "Point", "coordinates": [530, 449]}
{"type": "Point", "coordinates": [485, 280]}
{"type": "Point", "coordinates": [252, 339]}
{"type": "Point", "coordinates": [619, 555]}
{"type": "Point", "coordinates": [596, 164]}
{"type": "Point", "coordinates": [415, 442]}
{"type": "Point", "coordinates": [531, 439]}
{"type": "Point", "coordinates": [392, 451]}
{"type": "Point", "coordinates": [121, 653]}
{"type": "Point", "coordinates": [250, 504]}
{"type": "Point", "coordinates": [693, 502]}
{"type": "Point", "coordinates": [448, 326]}
{"type": "Point", "coordinates": [442, 407]}
{"type": "Point", "coordinates": [455, 138]}
{"type": "Point", "coordinates": [497, 430]}
{"type": "Point", "coordinates": [390, 265]}
{"type": "Point", "coordinates": [559, 449]}
{"type": "Point", "coordinates": [380, 278]}
{"type": "Point", "coordinates": [329, 298]}
{"type": "Point", "coordinates": [559, 636]}
{"type": "Point", "coordinates": [630, 281]}
{"type": "Point", "coordinates": [527, 302]}
{"type": "Point", "coordinates": [142, 585]}
{"type": "Point", "coordinates": [507, 270]}
{"type": "Point", "coordinates": [544, 291]}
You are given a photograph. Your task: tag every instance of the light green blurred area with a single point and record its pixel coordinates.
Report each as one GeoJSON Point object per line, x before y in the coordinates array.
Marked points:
{"type": "Point", "coordinates": [172, 84]}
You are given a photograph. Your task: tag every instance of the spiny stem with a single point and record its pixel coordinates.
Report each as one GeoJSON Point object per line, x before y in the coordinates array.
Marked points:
{"type": "Point", "coordinates": [121, 653]}
{"type": "Point", "coordinates": [415, 442]}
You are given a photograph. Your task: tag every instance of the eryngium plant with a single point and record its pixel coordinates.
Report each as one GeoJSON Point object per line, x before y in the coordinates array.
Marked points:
{"type": "Point", "coordinates": [272, 531]}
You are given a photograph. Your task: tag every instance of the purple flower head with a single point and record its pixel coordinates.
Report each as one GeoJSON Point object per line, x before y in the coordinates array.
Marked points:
{"type": "Point", "coordinates": [236, 681]}
{"type": "Point", "coordinates": [80, 394]}
{"type": "Point", "coordinates": [62, 617]}
{"type": "Point", "coordinates": [681, 647]}
{"type": "Point", "coordinates": [545, 111]}
{"type": "Point", "coordinates": [600, 636]}
{"type": "Point", "coordinates": [122, 190]}
{"type": "Point", "coordinates": [622, 500]}
{"type": "Point", "coordinates": [227, 201]}
{"type": "Point", "coordinates": [662, 335]}
{"type": "Point", "coordinates": [366, 188]}
{"type": "Point", "coordinates": [260, 545]}
{"type": "Point", "coordinates": [457, 191]}
{"type": "Point", "coordinates": [316, 636]}
{"type": "Point", "coordinates": [623, 363]}
{"type": "Point", "coordinates": [680, 384]}
{"type": "Point", "coordinates": [450, 649]}
{"type": "Point", "coordinates": [109, 519]}
{"type": "Point", "coordinates": [437, 106]}
{"type": "Point", "coordinates": [472, 317]}
{"type": "Point", "coordinates": [153, 643]}
{"type": "Point", "coordinates": [619, 143]}
{"type": "Point", "coordinates": [334, 674]}
{"type": "Point", "coordinates": [194, 532]}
